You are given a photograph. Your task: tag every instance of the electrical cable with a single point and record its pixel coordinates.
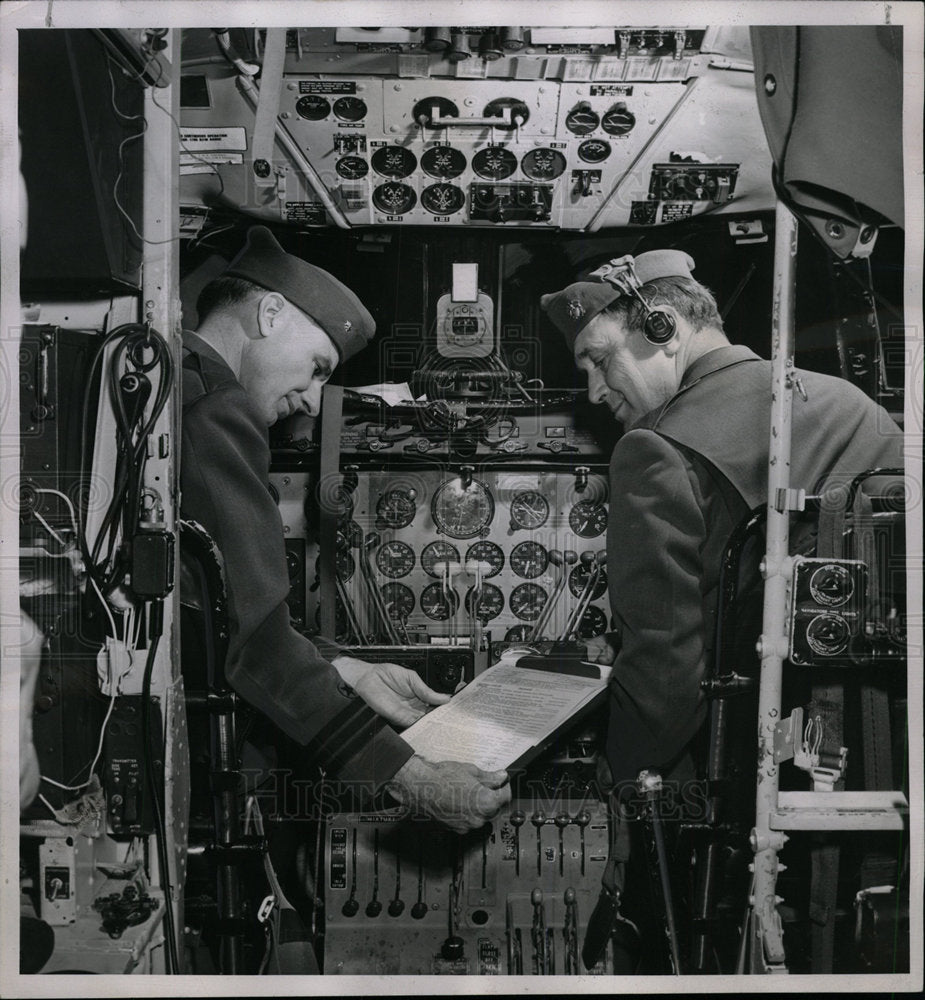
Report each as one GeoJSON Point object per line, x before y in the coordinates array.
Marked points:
{"type": "Point", "coordinates": [154, 787]}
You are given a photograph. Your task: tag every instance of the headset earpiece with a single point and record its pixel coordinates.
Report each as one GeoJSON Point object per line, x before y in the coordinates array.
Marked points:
{"type": "Point", "coordinates": [659, 326]}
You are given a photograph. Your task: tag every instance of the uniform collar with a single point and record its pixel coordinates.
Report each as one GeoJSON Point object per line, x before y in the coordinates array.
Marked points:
{"type": "Point", "coordinates": [194, 343]}
{"type": "Point", "coordinates": [707, 364]}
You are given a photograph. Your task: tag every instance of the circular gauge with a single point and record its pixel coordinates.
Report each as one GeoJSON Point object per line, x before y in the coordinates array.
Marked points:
{"type": "Point", "coordinates": [396, 508]}
{"type": "Point", "coordinates": [443, 161]}
{"type": "Point", "coordinates": [594, 150]}
{"type": "Point", "coordinates": [491, 602]}
{"type": "Point", "coordinates": [518, 633]}
{"type": "Point", "coordinates": [494, 163]}
{"type": "Point", "coordinates": [527, 601]}
{"type": "Point", "coordinates": [437, 604]}
{"type": "Point", "coordinates": [313, 107]}
{"type": "Point", "coordinates": [424, 112]}
{"type": "Point", "coordinates": [462, 512]}
{"type": "Point", "coordinates": [827, 635]}
{"type": "Point", "coordinates": [442, 199]}
{"type": "Point", "coordinates": [582, 119]}
{"type": "Point", "coordinates": [529, 510]}
{"type": "Point", "coordinates": [350, 109]}
{"type": "Point", "coordinates": [588, 518]}
{"type": "Point", "coordinates": [395, 559]}
{"type": "Point", "coordinates": [578, 578]}
{"type": "Point", "coordinates": [617, 120]}
{"type": "Point", "coordinates": [543, 164]}
{"type": "Point", "coordinates": [831, 585]}
{"type": "Point", "coordinates": [593, 623]}
{"type": "Point", "coordinates": [398, 600]}
{"type": "Point", "coordinates": [438, 552]}
{"type": "Point", "coordinates": [487, 552]}
{"type": "Point", "coordinates": [344, 563]}
{"type": "Point", "coordinates": [394, 161]}
{"type": "Point", "coordinates": [352, 167]}
{"type": "Point", "coordinates": [529, 559]}
{"type": "Point", "coordinates": [510, 113]}
{"type": "Point", "coordinates": [396, 199]}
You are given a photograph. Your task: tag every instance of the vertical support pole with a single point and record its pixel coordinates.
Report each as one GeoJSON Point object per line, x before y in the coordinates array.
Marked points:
{"type": "Point", "coordinates": [766, 937]}
{"type": "Point", "coordinates": [160, 305]}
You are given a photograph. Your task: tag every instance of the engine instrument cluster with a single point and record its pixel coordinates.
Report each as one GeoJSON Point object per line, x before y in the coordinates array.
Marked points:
{"type": "Point", "coordinates": [456, 551]}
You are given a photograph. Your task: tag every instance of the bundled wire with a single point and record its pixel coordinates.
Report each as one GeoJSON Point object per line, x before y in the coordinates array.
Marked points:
{"type": "Point", "coordinates": [140, 351]}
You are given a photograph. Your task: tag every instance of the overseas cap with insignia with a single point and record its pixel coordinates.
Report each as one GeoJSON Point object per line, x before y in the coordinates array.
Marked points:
{"type": "Point", "coordinates": [573, 308]}
{"type": "Point", "coordinates": [331, 304]}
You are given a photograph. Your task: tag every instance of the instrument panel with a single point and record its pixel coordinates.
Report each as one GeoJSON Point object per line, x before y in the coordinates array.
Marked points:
{"type": "Point", "coordinates": [448, 552]}
{"type": "Point", "coordinates": [561, 136]}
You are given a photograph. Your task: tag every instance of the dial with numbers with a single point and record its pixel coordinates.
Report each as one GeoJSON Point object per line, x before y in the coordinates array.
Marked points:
{"type": "Point", "coordinates": [462, 511]}
{"type": "Point", "coordinates": [437, 604]}
{"type": "Point", "coordinates": [442, 199]}
{"type": "Point", "coordinates": [313, 107]}
{"type": "Point", "coordinates": [526, 601]}
{"type": "Point", "coordinates": [494, 163]}
{"type": "Point", "coordinates": [444, 162]}
{"type": "Point", "coordinates": [594, 150]}
{"type": "Point", "coordinates": [491, 602]}
{"type": "Point", "coordinates": [394, 199]}
{"type": "Point", "coordinates": [396, 508]}
{"type": "Point", "coordinates": [490, 554]}
{"type": "Point", "coordinates": [543, 164]}
{"type": "Point", "coordinates": [352, 167]}
{"type": "Point", "coordinates": [395, 559]}
{"type": "Point", "coordinates": [588, 518]}
{"type": "Point", "coordinates": [529, 509]}
{"type": "Point", "coordinates": [398, 600]}
{"type": "Point", "coordinates": [394, 161]}
{"type": "Point", "coordinates": [578, 579]}
{"type": "Point", "coordinates": [529, 559]}
{"type": "Point", "coordinates": [593, 623]}
{"type": "Point", "coordinates": [435, 553]}
{"type": "Point", "coordinates": [350, 109]}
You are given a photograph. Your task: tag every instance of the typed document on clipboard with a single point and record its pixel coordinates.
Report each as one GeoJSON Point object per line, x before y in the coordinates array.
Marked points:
{"type": "Point", "coordinates": [503, 714]}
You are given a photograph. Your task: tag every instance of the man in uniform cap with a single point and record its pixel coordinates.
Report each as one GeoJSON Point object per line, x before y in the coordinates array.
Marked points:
{"type": "Point", "coordinates": [691, 464]}
{"type": "Point", "coordinates": [272, 328]}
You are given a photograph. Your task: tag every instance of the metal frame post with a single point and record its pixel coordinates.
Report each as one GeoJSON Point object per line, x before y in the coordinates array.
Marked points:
{"type": "Point", "coordinates": [764, 926]}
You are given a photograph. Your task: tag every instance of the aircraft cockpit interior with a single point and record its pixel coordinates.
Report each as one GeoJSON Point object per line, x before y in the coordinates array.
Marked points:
{"type": "Point", "coordinates": [461, 475]}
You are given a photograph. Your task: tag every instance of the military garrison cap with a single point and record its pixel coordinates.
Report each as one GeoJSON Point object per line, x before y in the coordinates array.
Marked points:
{"type": "Point", "coordinates": [573, 308]}
{"type": "Point", "coordinates": [331, 304]}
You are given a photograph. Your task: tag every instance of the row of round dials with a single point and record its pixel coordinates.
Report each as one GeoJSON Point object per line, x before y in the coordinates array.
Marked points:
{"type": "Point", "coordinates": [494, 163]}
{"type": "Point", "coordinates": [464, 512]}
{"type": "Point", "coordinates": [525, 602]}
{"type": "Point", "coordinates": [528, 560]}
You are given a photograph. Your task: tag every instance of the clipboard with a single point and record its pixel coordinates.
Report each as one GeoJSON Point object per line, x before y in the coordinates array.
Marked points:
{"type": "Point", "coordinates": [511, 712]}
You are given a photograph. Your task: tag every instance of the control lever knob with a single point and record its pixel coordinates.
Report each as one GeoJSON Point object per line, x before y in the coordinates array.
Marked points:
{"type": "Point", "coordinates": [518, 818]}
{"type": "Point", "coordinates": [563, 820]}
{"type": "Point", "coordinates": [419, 910]}
{"type": "Point", "coordinates": [555, 557]}
{"type": "Point", "coordinates": [583, 818]}
{"type": "Point", "coordinates": [538, 819]}
{"type": "Point", "coordinates": [587, 559]}
{"type": "Point", "coordinates": [571, 556]}
{"type": "Point", "coordinates": [602, 557]}
{"type": "Point", "coordinates": [536, 897]}
{"type": "Point", "coordinates": [373, 908]}
{"type": "Point", "coordinates": [351, 908]}
{"type": "Point", "coordinates": [570, 896]}
{"type": "Point", "coordinates": [397, 907]}
{"type": "Point", "coordinates": [453, 948]}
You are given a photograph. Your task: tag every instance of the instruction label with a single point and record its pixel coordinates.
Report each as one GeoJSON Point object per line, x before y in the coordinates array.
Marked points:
{"type": "Point", "coordinates": [327, 87]}
{"type": "Point", "coordinates": [197, 139]}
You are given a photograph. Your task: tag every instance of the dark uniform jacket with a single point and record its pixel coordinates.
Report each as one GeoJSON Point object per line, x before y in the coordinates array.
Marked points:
{"type": "Point", "coordinates": [680, 480]}
{"type": "Point", "coordinates": [224, 470]}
